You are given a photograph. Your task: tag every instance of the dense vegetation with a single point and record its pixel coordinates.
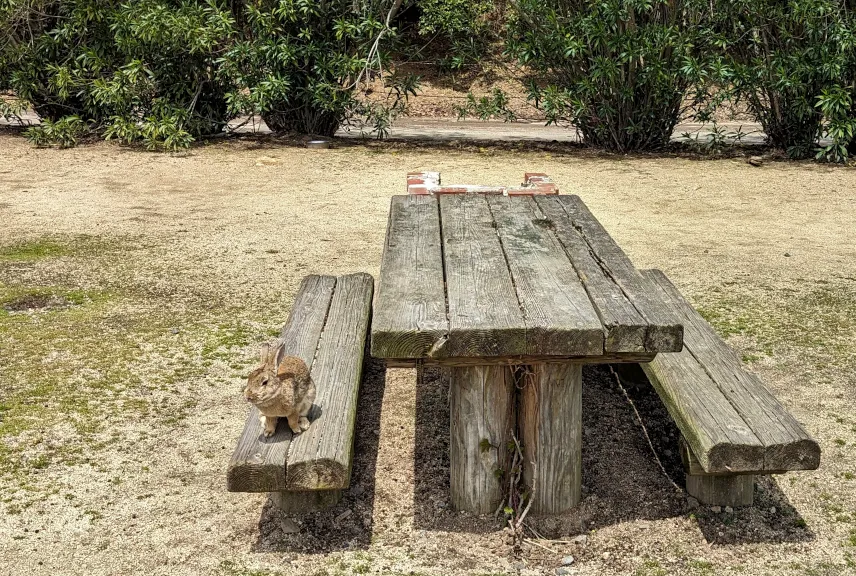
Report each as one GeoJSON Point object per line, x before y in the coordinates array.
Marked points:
{"type": "Point", "coordinates": [623, 72]}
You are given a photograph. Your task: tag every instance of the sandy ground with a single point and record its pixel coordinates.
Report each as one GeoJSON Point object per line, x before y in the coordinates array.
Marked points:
{"type": "Point", "coordinates": [135, 287]}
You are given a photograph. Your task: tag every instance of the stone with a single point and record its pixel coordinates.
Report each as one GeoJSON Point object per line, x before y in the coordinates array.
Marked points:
{"type": "Point", "coordinates": [773, 510]}
{"type": "Point", "coordinates": [564, 571]}
{"type": "Point", "coordinates": [567, 560]}
{"type": "Point", "coordinates": [605, 555]}
{"type": "Point", "coordinates": [729, 510]}
{"type": "Point", "coordinates": [755, 161]}
{"type": "Point", "coordinates": [289, 526]}
{"type": "Point", "coordinates": [692, 503]}
{"type": "Point", "coordinates": [716, 509]}
{"type": "Point", "coordinates": [582, 539]}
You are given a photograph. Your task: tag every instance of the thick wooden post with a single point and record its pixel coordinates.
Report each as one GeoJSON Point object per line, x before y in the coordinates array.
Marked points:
{"type": "Point", "coordinates": [482, 422]}
{"type": "Point", "coordinates": [550, 422]}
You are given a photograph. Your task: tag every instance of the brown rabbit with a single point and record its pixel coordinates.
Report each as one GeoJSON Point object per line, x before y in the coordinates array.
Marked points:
{"type": "Point", "coordinates": [280, 388]}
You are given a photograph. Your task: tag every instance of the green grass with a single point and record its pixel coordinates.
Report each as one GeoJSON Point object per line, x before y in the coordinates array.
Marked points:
{"type": "Point", "coordinates": [32, 251]}
{"type": "Point", "coordinates": [230, 568]}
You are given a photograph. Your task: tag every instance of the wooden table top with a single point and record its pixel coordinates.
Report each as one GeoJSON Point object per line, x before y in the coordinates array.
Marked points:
{"type": "Point", "coordinates": [469, 277]}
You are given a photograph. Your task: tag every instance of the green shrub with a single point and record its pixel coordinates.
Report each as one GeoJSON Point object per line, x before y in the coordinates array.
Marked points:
{"type": "Point", "coordinates": [790, 63]}
{"type": "Point", "coordinates": [300, 62]}
{"type": "Point", "coordinates": [167, 72]}
{"type": "Point", "coordinates": [623, 72]}
{"type": "Point", "coordinates": [138, 71]}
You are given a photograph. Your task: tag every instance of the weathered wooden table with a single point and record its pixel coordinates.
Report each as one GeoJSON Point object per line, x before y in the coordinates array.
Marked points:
{"type": "Point", "coordinates": [513, 294]}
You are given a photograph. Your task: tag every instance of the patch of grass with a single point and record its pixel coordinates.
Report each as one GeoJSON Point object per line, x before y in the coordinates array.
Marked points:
{"type": "Point", "coordinates": [230, 568]}
{"type": "Point", "coordinates": [701, 567]}
{"type": "Point", "coordinates": [32, 251]}
{"type": "Point", "coordinates": [817, 323]}
{"type": "Point", "coordinates": [840, 442]}
{"type": "Point", "coordinates": [650, 567]}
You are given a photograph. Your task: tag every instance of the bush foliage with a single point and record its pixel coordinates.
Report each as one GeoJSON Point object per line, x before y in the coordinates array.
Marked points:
{"type": "Point", "coordinates": [620, 71]}
{"type": "Point", "coordinates": [623, 72]}
{"type": "Point", "coordinates": [166, 72]}
{"type": "Point", "coordinates": [793, 63]}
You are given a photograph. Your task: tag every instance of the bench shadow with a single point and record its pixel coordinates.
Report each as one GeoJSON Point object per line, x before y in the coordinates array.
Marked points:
{"type": "Point", "coordinates": [348, 524]}
{"type": "Point", "coordinates": [622, 481]}
{"type": "Point", "coordinates": [771, 519]}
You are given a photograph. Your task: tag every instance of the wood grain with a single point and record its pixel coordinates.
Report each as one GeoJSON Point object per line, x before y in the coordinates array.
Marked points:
{"type": "Point", "coordinates": [623, 325]}
{"type": "Point", "coordinates": [258, 463]}
{"type": "Point", "coordinates": [320, 458]}
{"type": "Point", "coordinates": [786, 444]}
{"type": "Point", "coordinates": [482, 421]}
{"type": "Point", "coordinates": [559, 317]}
{"type": "Point", "coordinates": [664, 333]}
{"type": "Point", "coordinates": [485, 318]}
{"type": "Point", "coordinates": [410, 311]}
{"type": "Point", "coordinates": [733, 490]}
{"type": "Point", "coordinates": [611, 358]}
{"type": "Point", "coordinates": [550, 422]}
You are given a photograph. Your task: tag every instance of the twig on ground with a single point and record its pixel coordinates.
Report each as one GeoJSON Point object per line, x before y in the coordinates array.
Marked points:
{"type": "Point", "coordinates": [644, 430]}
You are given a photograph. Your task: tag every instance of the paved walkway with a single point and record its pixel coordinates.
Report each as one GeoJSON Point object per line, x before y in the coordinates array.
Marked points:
{"type": "Point", "coordinates": [450, 129]}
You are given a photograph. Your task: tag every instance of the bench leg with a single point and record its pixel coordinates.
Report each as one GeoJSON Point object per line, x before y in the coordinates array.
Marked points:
{"type": "Point", "coordinates": [482, 422]}
{"type": "Point", "coordinates": [304, 502]}
{"type": "Point", "coordinates": [551, 428]}
{"type": "Point", "coordinates": [734, 490]}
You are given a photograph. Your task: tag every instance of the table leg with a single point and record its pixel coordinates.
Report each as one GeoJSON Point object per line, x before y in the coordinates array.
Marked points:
{"type": "Point", "coordinates": [550, 421]}
{"type": "Point", "coordinates": [482, 422]}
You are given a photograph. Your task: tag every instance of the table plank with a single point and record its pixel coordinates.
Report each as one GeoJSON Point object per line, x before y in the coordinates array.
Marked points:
{"type": "Point", "coordinates": [484, 314]}
{"type": "Point", "coordinates": [623, 325]}
{"type": "Point", "coordinates": [664, 333]}
{"type": "Point", "coordinates": [410, 314]}
{"type": "Point", "coordinates": [558, 314]}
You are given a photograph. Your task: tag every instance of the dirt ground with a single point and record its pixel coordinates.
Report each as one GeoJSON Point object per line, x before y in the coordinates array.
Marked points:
{"type": "Point", "coordinates": [135, 288]}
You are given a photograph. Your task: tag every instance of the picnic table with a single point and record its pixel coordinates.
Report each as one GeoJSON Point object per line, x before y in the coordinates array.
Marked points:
{"type": "Point", "coordinates": [513, 294]}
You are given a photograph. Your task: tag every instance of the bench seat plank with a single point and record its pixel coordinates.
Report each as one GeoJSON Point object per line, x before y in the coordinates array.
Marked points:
{"type": "Point", "coordinates": [320, 458]}
{"type": "Point", "coordinates": [785, 443]}
{"type": "Point", "coordinates": [258, 463]}
{"type": "Point", "coordinates": [664, 333]}
{"type": "Point", "coordinates": [559, 317]}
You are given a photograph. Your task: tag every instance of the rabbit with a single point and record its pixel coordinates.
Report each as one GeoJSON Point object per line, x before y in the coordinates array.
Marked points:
{"type": "Point", "coordinates": [280, 388]}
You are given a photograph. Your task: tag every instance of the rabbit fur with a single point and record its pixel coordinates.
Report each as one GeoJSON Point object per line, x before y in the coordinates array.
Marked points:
{"type": "Point", "coordinates": [280, 388]}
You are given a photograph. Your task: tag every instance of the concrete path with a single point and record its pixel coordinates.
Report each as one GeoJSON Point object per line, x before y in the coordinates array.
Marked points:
{"type": "Point", "coordinates": [451, 129]}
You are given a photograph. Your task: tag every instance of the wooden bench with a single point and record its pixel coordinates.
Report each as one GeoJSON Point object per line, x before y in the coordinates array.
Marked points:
{"type": "Point", "coordinates": [327, 329]}
{"type": "Point", "coordinates": [732, 426]}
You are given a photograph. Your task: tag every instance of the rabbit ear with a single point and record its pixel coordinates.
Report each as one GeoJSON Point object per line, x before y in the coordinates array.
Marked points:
{"type": "Point", "coordinates": [264, 353]}
{"type": "Point", "coordinates": [275, 348]}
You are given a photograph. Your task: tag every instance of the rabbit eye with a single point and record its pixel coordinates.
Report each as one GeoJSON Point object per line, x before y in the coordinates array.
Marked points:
{"type": "Point", "coordinates": [264, 382]}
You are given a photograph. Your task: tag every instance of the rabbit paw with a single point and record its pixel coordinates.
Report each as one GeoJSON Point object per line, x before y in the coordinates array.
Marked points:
{"type": "Point", "coordinates": [269, 423]}
{"type": "Point", "coordinates": [304, 423]}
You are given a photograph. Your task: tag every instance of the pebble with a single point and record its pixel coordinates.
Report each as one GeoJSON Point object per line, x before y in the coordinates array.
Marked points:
{"type": "Point", "coordinates": [773, 510]}
{"type": "Point", "coordinates": [787, 254]}
{"type": "Point", "coordinates": [605, 555]}
{"type": "Point", "coordinates": [729, 510]}
{"type": "Point", "coordinates": [756, 161]}
{"type": "Point", "coordinates": [567, 560]}
{"type": "Point", "coordinates": [289, 526]}
{"type": "Point", "coordinates": [716, 509]}
{"type": "Point", "coordinates": [692, 503]}
{"type": "Point", "coordinates": [582, 540]}
{"type": "Point", "coordinates": [342, 516]}
{"type": "Point", "coordinates": [564, 571]}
